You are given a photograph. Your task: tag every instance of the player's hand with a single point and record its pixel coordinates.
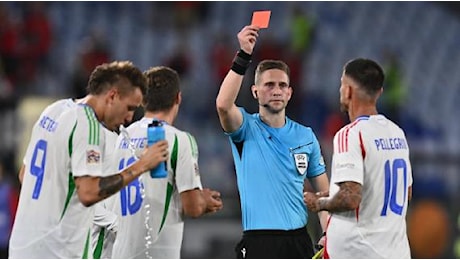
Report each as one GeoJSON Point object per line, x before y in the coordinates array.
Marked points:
{"type": "Point", "coordinates": [312, 201]}
{"type": "Point", "coordinates": [213, 200]}
{"type": "Point", "coordinates": [155, 154]}
{"type": "Point", "coordinates": [247, 38]}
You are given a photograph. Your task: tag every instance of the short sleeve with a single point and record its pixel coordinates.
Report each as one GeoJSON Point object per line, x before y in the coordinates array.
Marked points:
{"type": "Point", "coordinates": [316, 164]}
{"type": "Point", "coordinates": [186, 162]}
{"type": "Point", "coordinates": [348, 157]}
{"type": "Point", "coordinates": [87, 146]}
{"type": "Point", "coordinates": [239, 135]}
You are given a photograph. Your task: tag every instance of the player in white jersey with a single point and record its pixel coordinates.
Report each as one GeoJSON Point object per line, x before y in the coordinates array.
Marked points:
{"type": "Point", "coordinates": [371, 179]}
{"type": "Point", "coordinates": [64, 172]}
{"type": "Point", "coordinates": [52, 111]}
{"type": "Point", "coordinates": [151, 210]}
{"type": "Point", "coordinates": [105, 221]}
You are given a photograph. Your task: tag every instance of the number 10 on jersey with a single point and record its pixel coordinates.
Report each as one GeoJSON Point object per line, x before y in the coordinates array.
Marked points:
{"type": "Point", "coordinates": [393, 189]}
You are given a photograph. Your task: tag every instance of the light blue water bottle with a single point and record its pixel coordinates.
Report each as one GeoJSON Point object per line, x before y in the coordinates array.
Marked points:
{"type": "Point", "coordinates": [155, 133]}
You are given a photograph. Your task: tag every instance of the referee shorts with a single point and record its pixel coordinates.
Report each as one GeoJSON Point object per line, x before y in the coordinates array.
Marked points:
{"type": "Point", "coordinates": [275, 244]}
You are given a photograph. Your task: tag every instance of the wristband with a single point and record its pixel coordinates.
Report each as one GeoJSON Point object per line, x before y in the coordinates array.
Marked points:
{"type": "Point", "coordinates": [241, 62]}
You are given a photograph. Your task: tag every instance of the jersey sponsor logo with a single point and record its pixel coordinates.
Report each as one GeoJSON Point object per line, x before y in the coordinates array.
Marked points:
{"type": "Point", "coordinates": [93, 156]}
{"type": "Point", "coordinates": [301, 162]}
{"type": "Point", "coordinates": [342, 166]}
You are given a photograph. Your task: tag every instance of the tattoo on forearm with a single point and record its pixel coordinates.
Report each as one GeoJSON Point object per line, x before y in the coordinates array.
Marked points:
{"type": "Point", "coordinates": [109, 185]}
{"type": "Point", "coordinates": [346, 199]}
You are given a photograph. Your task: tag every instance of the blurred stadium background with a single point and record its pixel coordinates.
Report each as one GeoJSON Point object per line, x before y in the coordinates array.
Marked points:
{"type": "Point", "coordinates": [48, 49]}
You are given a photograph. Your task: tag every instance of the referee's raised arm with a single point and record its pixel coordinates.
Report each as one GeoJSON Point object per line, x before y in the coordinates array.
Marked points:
{"type": "Point", "coordinates": [229, 115]}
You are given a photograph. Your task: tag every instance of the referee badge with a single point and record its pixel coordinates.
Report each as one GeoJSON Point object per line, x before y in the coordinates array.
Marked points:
{"type": "Point", "coordinates": [301, 162]}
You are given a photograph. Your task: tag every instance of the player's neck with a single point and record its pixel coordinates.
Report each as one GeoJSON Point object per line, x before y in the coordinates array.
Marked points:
{"type": "Point", "coordinates": [362, 110]}
{"type": "Point", "coordinates": [92, 101]}
{"type": "Point", "coordinates": [168, 116]}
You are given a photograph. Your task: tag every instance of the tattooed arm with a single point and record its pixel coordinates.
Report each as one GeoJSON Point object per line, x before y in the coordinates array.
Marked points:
{"type": "Point", "coordinates": [347, 198]}
{"type": "Point", "coordinates": [94, 189]}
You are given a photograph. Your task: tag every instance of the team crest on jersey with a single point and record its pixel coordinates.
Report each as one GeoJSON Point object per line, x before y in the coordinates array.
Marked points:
{"type": "Point", "coordinates": [301, 162]}
{"type": "Point", "coordinates": [93, 156]}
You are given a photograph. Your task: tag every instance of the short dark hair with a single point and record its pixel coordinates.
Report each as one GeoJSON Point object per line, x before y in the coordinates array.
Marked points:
{"type": "Point", "coordinates": [271, 64]}
{"type": "Point", "coordinates": [163, 87]}
{"type": "Point", "coordinates": [367, 73]}
{"type": "Point", "coordinates": [107, 74]}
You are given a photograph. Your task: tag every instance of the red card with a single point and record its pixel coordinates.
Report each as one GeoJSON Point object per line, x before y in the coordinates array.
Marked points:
{"type": "Point", "coordinates": [261, 18]}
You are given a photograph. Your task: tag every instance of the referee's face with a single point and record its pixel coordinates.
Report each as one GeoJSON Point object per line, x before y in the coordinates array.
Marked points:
{"type": "Point", "coordinates": [273, 90]}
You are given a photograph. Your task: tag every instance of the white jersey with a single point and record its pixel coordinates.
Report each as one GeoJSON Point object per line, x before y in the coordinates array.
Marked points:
{"type": "Point", "coordinates": [50, 220]}
{"type": "Point", "coordinates": [372, 151]}
{"type": "Point", "coordinates": [162, 196]}
{"type": "Point", "coordinates": [52, 111]}
{"type": "Point", "coordinates": [105, 221]}
{"type": "Point", "coordinates": [104, 229]}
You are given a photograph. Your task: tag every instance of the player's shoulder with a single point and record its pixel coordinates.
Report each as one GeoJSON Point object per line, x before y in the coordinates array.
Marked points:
{"type": "Point", "coordinates": [67, 102]}
{"type": "Point", "coordinates": [81, 113]}
{"type": "Point", "coordinates": [137, 124]}
{"type": "Point", "coordinates": [384, 120]}
{"type": "Point", "coordinates": [59, 106]}
{"type": "Point", "coordinates": [354, 127]}
{"type": "Point", "coordinates": [182, 138]}
{"type": "Point", "coordinates": [181, 134]}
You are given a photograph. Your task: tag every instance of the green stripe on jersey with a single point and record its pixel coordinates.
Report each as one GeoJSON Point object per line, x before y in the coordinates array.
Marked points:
{"type": "Point", "coordinates": [174, 155]}
{"type": "Point", "coordinates": [169, 188]}
{"type": "Point", "coordinates": [193, 145]}
{"type": "Point", "coordinates": [86, 249]}
{"type": "Point", "coordinates": [169, 193]}
{"type": "Point", "coordinates": [71, 189]}
{"type": "Point", "coordinates": [71, 185]}
{"type": "Point", "coordinates": [94, 126]}
{"type": "Point", "coordinates": [70, 142]}
{"type": "Point", "coordinates": [100, 242]}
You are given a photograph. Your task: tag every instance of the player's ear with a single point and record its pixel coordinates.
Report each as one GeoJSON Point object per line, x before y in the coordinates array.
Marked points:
{"type": "Point", "coordinates": [178, 98]}
{"type": "Point", "coordinates": [111, 94]}
{"type": "Point", "coordinates": [254, 92]}
{"type": "Point", "coordinates": [290, 90]}
{"type": "Point", "coordinates": [348, 91]}
{"type": "Point", "coordinates": [380, 92]}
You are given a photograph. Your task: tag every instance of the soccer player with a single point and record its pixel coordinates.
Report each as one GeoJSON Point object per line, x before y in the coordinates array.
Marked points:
{"type": "Point", "coordinates": [52, 111]}
{"type": "Point", "coordinates": [273, 157]}
{"type": "Point", "coordinates": [144, 231]}
{"type": "Point", "coordinates": [105, 221]}
{"type": "Point", "coordinates": [64, 170]}
{"type": "Point", "coordinates": [371, 179]}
